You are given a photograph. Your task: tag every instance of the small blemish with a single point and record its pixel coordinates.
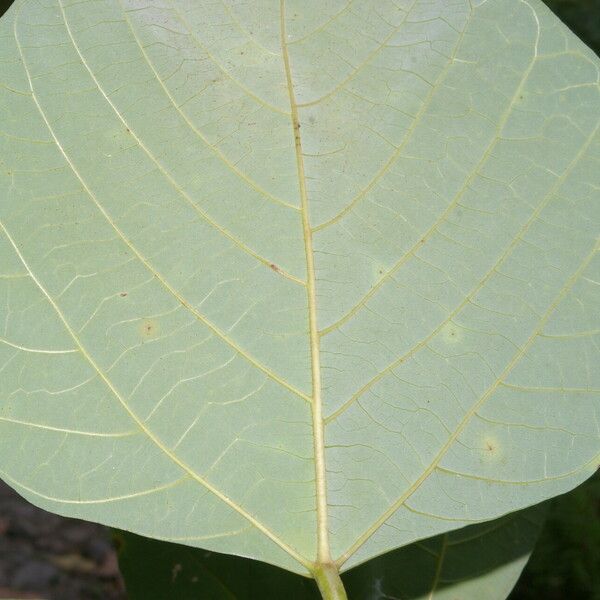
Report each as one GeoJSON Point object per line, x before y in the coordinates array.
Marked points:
{"type": "Point", "coordinates": [149, 328]}
{"type": "Point", "coordinates": [378, 270]}
{"type": "Point", "coordinates": [452, 334]}
{"type": "Point", "coordinates": [491, 448]}
{"type": "Point", "coordinates": [123, 294]}
{"type": "Point", "coordinates": [274, 267]}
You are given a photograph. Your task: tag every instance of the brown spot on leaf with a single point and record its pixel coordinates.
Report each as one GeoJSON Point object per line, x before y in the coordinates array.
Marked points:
{"type": "Point", "coordinates": [492, 448]}
{"type": "Point", "coordinates": [451, 334]}
{"type": "Point", "coordinates": [123, 294]}
{"type": "Point", "coordinates": [274, 267]}
{"type": "Point", "coordinates": [149, 328]}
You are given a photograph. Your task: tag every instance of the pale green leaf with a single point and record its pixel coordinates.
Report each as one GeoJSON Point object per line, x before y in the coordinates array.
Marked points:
{"type": "Point", "coordinates": [297, 280]}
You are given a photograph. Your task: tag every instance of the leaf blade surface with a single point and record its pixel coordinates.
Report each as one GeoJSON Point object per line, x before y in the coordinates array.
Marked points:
{"type": "Point", "coordinates": [219, 226]}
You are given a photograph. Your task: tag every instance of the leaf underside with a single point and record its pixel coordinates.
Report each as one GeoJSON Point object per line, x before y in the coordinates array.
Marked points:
{"type": "Point", "coordinates": [301, 279]}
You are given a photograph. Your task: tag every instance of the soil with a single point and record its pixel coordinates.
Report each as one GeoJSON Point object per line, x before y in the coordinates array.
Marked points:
{"type": "Point", "coordinates": [47, 557]}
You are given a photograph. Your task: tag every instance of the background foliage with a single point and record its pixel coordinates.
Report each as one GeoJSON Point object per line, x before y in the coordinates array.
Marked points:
{"type": "Point", "coordinates": [566, 561]}
{"type": "Point", "coordinates": [582, 16]}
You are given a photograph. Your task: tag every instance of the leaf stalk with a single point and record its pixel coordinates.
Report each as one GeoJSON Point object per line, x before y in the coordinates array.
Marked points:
{"type": "Point", "coordinates": [329, 581]}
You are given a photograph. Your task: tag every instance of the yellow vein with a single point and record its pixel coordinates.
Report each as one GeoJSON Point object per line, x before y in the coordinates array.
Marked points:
{"type": "Point", "coordinates": [365, 62]}
{"type": "Point", "coordinates": [140, 423]}
{"type": "Point", "coordinates": [406, 139]}
{"type": "Point", "coordinates": [592, 464]}
{"type": "Point", "coordinates": [333, 17]}
{"type": "Point", "coordinates": [524, 425]}
{"type": "Point", "coordinates": [476, 406]}
{"type": "Point", "coordinates": [221, 68]}
{"type": "Point", "coordinates": [160, 166]}
{"type": "Point", "coordinates": [190, 538]}
{"type": "Point", "coordinates": [143, 259]}
{"type": "Point", "coordinates": [461, 520]}
{"type": "Point", "coordinates": [147, 492]}
{"type": "Point", "coordinates": [323, 551]}
{"type": "Point", "coordinates": [37, 350]}
{"type": "Point", "coordinates": [447, 211]}
{"type": "Point", "coordinates": [577, 334]}
{"type": "Point", "coordinates": [507, 252]}
{"type": "Point", "coordinates": [253, 184]}
{"type": "Point", "coordinates": [117, 434]}
{"type": "Point", "coordinates": [251, 38]}
{"type": "Point", "coordinates": [551, 390]}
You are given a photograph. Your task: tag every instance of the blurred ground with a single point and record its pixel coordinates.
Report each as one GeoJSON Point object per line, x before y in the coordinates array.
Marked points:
{"type": "Point", "coordinates": [44, 556]}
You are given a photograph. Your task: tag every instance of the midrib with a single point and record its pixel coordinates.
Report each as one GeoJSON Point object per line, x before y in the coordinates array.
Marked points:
{"type": "Point", "coordinates": [323, 550]}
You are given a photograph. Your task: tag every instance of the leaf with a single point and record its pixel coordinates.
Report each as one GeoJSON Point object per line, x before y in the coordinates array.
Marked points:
{"type": "Point", "coordinates": [298, 281]}
{"type": "Point", "coordinates": [479, 561]}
